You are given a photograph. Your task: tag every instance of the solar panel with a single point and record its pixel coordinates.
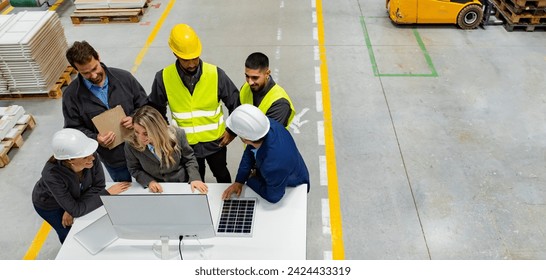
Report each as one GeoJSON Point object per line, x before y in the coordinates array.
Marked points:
{"type": "Point", "coordinates": [237, 217]}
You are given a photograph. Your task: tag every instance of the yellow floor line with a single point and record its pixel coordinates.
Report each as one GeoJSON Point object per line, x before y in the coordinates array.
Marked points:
{"type": "Point", "coordinates": [56, 5]}
{"type": "Point", "coordinates": [38, 242]}
{"type": "Point", "coordinates": [52, 8]}
{"type": "Point", "coordinates": [7, 10]}
{"type": "Point", "coordinates": [152, 36]}
{"type": "Point", "coordinates": [338, 250]}
{"type": "Point", "coordinates": [41, 236]}
{"type": "Point", "coordinates": [43, 232]}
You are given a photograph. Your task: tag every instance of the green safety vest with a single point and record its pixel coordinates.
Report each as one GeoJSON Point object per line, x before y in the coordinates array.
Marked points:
{"type": "Point", "coordinates": [199, 114]}
{"type": "Point", "coordinates": [274, 94]}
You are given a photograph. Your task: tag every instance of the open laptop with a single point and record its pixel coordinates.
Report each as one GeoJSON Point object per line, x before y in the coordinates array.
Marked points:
{"type": "Point", "coordinates": [97, 235]}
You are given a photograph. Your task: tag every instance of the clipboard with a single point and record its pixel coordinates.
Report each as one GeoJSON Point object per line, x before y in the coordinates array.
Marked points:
{"type": "Point", "coordinates": [110, 120]}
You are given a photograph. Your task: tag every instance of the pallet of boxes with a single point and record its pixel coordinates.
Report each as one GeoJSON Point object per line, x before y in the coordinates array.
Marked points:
{"type": "Point", "coordinates": [108, 11]}
{"type": "Point", "coordinates": [527, 15]}
{"type": "Point", "coordinates": [32, 55]}
{"type": "Point", "coordinates": [13, 123]}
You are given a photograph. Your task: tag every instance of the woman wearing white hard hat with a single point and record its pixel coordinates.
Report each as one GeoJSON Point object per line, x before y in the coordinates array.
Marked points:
{"type": "Point", "coordinates": [72, 181]}
{"type": "Point", "coordinates": [271, 161]}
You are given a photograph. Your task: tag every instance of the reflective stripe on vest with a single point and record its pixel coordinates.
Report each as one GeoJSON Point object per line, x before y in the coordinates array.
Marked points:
{"type": "Point", "coordinates": [274, 94]}
{"type": "Point", "coordinates": [199, 114]}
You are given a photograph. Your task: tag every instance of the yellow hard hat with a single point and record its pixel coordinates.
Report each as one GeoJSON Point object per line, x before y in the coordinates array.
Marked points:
{"type": "Point", "coordinates": [184, 42]}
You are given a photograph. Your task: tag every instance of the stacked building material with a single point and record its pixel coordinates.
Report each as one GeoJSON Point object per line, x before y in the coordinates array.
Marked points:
{"type": "Point", "coordinates": [13, 123]}
{"type": "Point", "coordinates": [121, 4]}
{"type": "Point", "coordinates": [108, 11]}
{"type": "Point", "coordinates": [108, 4]}
{"type": "Point", "coordinates": [9, 116]}
{"type": "Point", "coordinates": [3, 84]}
{"type": "Point", "coordinates": [32, 52]}
{"type": "Point", "coordinates": [527, 15]}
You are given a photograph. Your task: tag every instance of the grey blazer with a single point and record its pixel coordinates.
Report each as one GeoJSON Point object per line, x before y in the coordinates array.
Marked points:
{"type": "Point", "coordinates": [145, 167]}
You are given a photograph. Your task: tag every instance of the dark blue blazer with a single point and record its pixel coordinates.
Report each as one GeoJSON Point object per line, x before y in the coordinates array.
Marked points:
{"type": "Point", "coordinates": [278, 165]}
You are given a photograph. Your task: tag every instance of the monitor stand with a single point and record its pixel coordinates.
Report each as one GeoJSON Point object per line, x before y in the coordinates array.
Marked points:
{"type": "Point", "coordinates": [194, 250]}
{"type": "Point", "coordinates": [163, 250]}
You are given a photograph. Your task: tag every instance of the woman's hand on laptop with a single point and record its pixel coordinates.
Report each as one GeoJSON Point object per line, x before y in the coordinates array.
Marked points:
{"type": "Point", "coordinates": [200, 186]}
{"type": "Point", "coordinates": [155, 187]}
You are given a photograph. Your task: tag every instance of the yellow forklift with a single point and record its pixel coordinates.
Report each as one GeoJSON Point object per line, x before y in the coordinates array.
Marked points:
{"type": "Point", "coordinates": [467, 14]}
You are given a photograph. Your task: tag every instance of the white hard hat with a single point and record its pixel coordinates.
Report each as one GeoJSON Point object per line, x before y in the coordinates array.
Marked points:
{"type": "Point", "coordinates": [70, 143]}
{"type": "Point", "coordinates": [248, 122]}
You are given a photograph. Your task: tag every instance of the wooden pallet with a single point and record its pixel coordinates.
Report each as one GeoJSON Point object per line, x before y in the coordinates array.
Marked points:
{"type": "Point", "coordinates": [54, 92]}
{"type": "Point", "coordinates": [529, 4]}
{"type": "Point", "coordinates": [15, 142]}
{"type": "Point", "coordinates": [519, 26]}
{"type": "Point", "coordinates": [3, 4]}
{"type": "Point", "coordinates": [108, 15]}
{"type": "Point", "coordinates": [524, 27]}
{"type": "Point", "coordinates": [508, 11]}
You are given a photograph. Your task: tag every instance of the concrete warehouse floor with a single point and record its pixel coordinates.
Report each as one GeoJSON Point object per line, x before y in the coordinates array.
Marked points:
{"type": "Point", "coordinates": [423, 142]}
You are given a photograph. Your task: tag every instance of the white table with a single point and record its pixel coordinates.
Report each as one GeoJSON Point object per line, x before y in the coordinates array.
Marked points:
{"type": "Point", "coordinates": [279, 231]}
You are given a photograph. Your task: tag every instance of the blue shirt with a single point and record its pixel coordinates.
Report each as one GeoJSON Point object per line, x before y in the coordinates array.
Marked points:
{"type": "Point", "coordinates": [152, 149]}
{"type": "Point", "coordinates": [100, 92]}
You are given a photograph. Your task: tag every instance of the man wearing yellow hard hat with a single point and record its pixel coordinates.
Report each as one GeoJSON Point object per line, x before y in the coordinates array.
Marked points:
{"type": "Point", "coordinates": [193, 90]}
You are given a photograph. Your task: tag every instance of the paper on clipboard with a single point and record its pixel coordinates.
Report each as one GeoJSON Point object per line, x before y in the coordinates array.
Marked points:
{"type": "Point", "coordinates": [110, 120]}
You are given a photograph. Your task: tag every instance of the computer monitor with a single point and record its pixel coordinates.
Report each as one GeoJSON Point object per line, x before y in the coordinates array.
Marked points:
{"type": "Point", "coordinates": [152, 216]}
{"type": "Point", "coordinates": [160, 216]}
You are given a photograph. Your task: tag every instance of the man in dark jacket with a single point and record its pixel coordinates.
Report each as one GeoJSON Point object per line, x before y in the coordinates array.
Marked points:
{"type": "Point", "coordinates": [271, 161]}
{"type": "Point", "coordinates": [97, 89]}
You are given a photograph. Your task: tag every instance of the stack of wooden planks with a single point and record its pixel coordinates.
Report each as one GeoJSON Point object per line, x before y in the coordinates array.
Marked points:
{"type": "Point", "coordinates": [13, 123]}
{"type": "Point", "coordinates": [32, 52]}
{"type": "Point", "coordinates": [108, 11]}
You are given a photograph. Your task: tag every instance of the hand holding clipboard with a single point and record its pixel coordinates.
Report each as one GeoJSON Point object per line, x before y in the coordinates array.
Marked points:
{"type": "Point", "coordinates": [113, 126]}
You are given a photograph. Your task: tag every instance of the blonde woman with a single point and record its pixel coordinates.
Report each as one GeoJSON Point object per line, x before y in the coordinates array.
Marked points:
{"type": "Point", "coordinates": [158, 153]}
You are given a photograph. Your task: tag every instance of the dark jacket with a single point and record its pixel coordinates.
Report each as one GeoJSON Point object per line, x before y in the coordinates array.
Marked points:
{"type": "Point", "coordinates": [59, 187]}
{"type": "Point", "coordinates": [145, 167]}
{"type": "Point", "coordinates": [278, 165]}
{"type": "Point", "coordinates": [80, 106]}
{"type": "Point", "coordinates": [228, 93]}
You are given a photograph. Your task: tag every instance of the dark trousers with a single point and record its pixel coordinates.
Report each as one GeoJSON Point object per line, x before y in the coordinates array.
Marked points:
{"type": "Point", "coordinates": [118, 174]}
{"type": "Point", "coordinates": [218, 165]}
{"type": "Point", "coordinates": [55, 219]}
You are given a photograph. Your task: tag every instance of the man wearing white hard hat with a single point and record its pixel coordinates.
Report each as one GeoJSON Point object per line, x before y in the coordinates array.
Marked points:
{"type": "Point", "coordinates": [72, 181]}
{"type": "Point", "coordinates": [271, 160]}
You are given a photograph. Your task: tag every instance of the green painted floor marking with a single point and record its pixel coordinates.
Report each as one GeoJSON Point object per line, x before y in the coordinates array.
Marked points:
{"type": "Point", "coordinates": [376, 73]}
